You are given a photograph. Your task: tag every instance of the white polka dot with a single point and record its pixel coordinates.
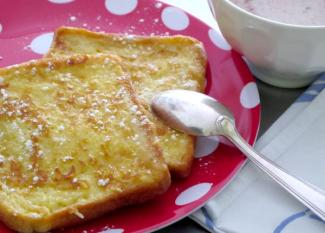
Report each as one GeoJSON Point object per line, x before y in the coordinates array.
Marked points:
{"type": "Point", "coordinates": [42, 43]}
{"type": "Point", "coordinates": [120, 7]}
{"type": "Point", "coordinates": [218, 40]}
{"type": "Point", "coordinates": [112, 231]}
{"type": "Point", "coordinates": [158, 5]}
{"type": "Point", "coordinates": [193, 193]}
{"type": "Point", "coordinates": [60, 1]}
{"type": "Point", "coordinates": [205, 146]}
{"type": "Point", "coordinates": [249, 97]}
{"type": "Point", "coordinates": [175, 18]}
{"type": "Point", "coordinates": [1, 27]}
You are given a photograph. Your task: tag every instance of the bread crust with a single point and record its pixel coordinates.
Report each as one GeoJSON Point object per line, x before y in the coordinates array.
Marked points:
{"type": "Point", "coordinates": [66, 217]}
{"type": "Point", "coordinates": [60, 45]}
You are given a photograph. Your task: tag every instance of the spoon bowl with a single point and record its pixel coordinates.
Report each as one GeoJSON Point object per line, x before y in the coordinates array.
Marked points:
{"type": "Point", "coordinates": [190, 112]}
{"type": "Point", "coordinates": [200, 115]}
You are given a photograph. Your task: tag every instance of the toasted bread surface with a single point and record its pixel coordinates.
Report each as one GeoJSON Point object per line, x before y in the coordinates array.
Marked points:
{"type": "Point", "coordinates": [71, 149]}
{"type": "Point", "coordinates": [156, 64]}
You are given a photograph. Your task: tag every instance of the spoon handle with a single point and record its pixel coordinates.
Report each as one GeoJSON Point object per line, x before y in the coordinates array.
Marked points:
{"type": "Point", "coordinates": [309, 195]}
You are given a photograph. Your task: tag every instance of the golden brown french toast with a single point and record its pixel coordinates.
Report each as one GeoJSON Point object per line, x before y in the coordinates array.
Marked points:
{"type": "Point", "coordinates": [155, 64]}
{"type": "Point", "coordinates": [70, 148]}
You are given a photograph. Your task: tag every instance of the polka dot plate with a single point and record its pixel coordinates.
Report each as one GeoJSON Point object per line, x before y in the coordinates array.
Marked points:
{"type": "Point", "coordinates": [26, 31]}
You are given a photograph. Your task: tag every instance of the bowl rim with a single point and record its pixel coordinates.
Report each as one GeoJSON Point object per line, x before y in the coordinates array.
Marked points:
{"type": "Point", "coordinates": [266, 20]}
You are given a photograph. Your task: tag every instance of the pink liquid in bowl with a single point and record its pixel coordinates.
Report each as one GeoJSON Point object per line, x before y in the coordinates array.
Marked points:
{"type": "Point", "coordinates": [298, 12]}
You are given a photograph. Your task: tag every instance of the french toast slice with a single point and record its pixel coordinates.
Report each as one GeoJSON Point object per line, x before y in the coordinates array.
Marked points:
{"type": "Point", "coordinates": [70, 148]}
{"type": "Point", "coordinates": [155, 64]}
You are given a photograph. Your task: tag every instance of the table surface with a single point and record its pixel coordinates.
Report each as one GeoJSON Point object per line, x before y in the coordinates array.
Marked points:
{"type": "Point", "coordinates": [274, 101]}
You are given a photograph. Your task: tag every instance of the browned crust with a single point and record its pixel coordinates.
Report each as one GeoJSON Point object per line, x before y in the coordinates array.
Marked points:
{"type": "Point", "coordinates": [185, 40]}
{"type": "Point", "coordinates": [91, 210]}
{"type": "Point", "coordinates": [53, 62]}
{"type": "Point", "coordinates": [66, 216]}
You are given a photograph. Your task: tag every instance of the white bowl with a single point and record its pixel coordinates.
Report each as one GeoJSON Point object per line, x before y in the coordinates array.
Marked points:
{"type": "Point", "coordinates": [280, 54]}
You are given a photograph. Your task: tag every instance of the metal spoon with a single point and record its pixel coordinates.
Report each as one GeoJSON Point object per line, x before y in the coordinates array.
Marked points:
{"type": "Point", "coordinates": [200, 115]}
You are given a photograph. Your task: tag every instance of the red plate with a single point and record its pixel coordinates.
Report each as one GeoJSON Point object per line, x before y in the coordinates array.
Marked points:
{"type": "Point", "coordinates": [25, 33]}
